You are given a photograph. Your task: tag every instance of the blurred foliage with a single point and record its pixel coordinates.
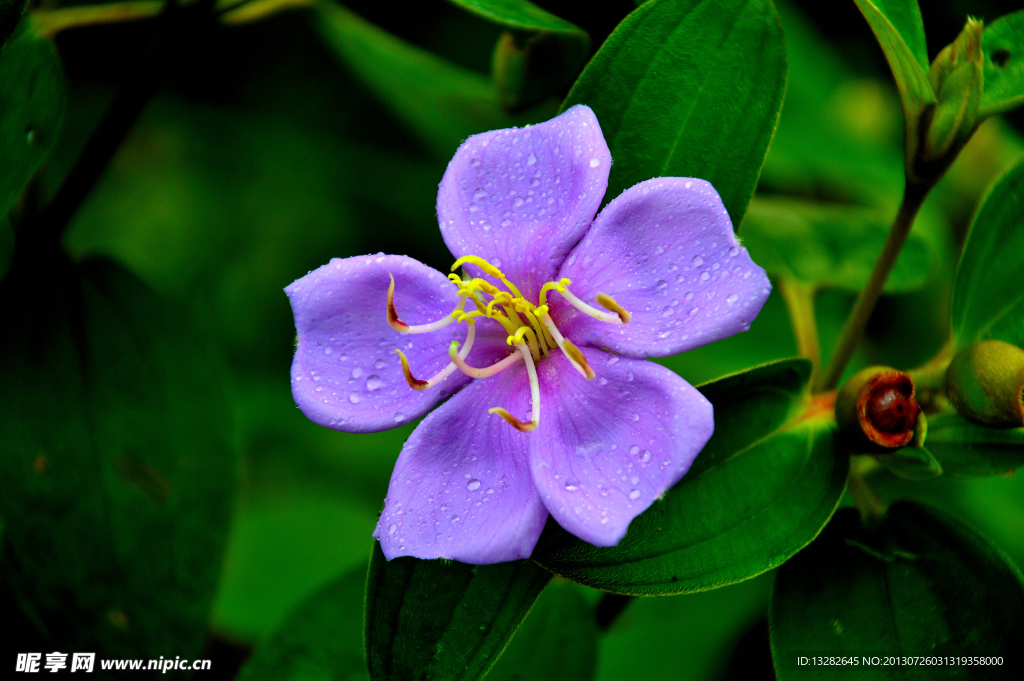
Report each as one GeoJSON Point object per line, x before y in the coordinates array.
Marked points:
{"type": "Point", "coordinates": [289, 138]}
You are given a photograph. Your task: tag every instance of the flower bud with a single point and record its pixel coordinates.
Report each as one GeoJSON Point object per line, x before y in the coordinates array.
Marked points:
{"type": "Point", "coordinates": [956, 77]}
{"type": "Point", "coordinates": [876, 410]}
{"type": "Point", "coordinates": [985, 382]}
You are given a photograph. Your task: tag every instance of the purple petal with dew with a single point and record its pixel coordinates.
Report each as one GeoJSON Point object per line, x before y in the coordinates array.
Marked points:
{"type": "Point", "coordinates": [522, 197]}
{"type": "Point", "coordinates": [345, 374]}
{"type": "Point", "coordinates": [665, 250]}
{"type": "Point", "coordinates": [606, 449]}
{"type": "Point", "coordinates": [461, 488]}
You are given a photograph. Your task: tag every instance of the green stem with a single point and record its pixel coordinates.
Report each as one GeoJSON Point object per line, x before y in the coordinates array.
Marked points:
{"type": "Point", "coordinates": [871, 506]}
{"type": "Point", "coordinates": [913, 197]}
{"type": "Point", "coordinates": [799, 299]}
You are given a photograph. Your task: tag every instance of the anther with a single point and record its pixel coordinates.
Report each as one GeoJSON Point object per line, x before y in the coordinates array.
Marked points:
{"type": "Point", "coordinates": [609, 303]}
{"type": "Point", "coordinates": [398, 325]}
{"type": "Point", "coordinates": [621, 316]}
{"type": "Point", "coordinates": [417, 384]}
{"type": "Point", "coordinates": [531, 370]}
{"type": "Point", "coordinates": [576, 358]}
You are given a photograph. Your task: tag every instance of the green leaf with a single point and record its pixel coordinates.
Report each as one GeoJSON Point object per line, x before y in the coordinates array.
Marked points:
{"type": "Point", "coordinates": [922, 583]}
{"type": "Point", "coordinates": [10, 14]}
{"type": "Point", "coordinates": [899, 30]}
{"type": "Point", "coordinates": [1002, 43]}
{"type": "Point", "coordinates": [912, 463]}
{"type": "Point", "coordinates": [762, 488]}
{"type": "Point", "coordinates": [689, 88]}
{"type": "Point", "coordinates": [33, 96]}
{"type": "Point", "coordinates": [320, 639]}
{"type": "Point", "coordinates": [832, 245]}
{"type": "Point", "coordinates": [557, 642]}
{"type": "Point", "coordinates": [904, 18]}
{"type": "Point", "coordinates": [965, 448]}
{"type": "Point", "coordinates": [538, 55]}
{"type": "Point", "coordinates": [441, 102]}
{"type": "Point", "coordinates": [988, 300]}
{"type": "Point", "coordinates": [441, 619]}
{"type": "Point", "coordinates": [118, 470]}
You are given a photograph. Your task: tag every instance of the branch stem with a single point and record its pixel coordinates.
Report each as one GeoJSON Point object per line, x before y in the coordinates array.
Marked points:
{"type": "Point", "coordinates": [799, 299]}
{"type": "Point", "coordinates": [853, 331]}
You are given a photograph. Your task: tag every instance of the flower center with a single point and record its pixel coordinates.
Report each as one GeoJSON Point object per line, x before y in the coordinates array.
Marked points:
{"type": "Point", "coordinates": [529, 326]}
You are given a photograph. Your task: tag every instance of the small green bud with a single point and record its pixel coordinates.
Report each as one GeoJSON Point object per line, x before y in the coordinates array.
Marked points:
{"type": "Point", "coordinates": [876, 410]}
{"type": "Point", "coordinates": [957, 79]}
{"type": "Point", "coordinates": [985, 382]}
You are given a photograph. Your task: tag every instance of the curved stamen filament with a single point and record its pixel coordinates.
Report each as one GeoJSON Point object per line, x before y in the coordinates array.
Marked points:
{"type": "Point", "coordinates": [576, 357]}
{"type": "Point", "coordinates": [485, 372]}
{"type": "Point", "coordinates": [531, 337]}
{"type": "Point", "coordinates": [531, 371]}
{"type": "Point", "coordinates": [444, 373]}
{"type": "Point", "coordinates": [555, 285]}
{"type": "Point", "coordinates": [489, 269]}
{"type": "Point", "coordinates": [402, 327]}
{"type": "Point", "coordinates": [620, 316]}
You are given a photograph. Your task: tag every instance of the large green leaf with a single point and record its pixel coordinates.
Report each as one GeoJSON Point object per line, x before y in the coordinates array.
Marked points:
{"type": "Point", "coordinates": [689, 88]}
{"type": "Point", "coordinates": [321, 639]}
{"type": "Point", "coordinates": [557, 642]}
{"type": "Point", "coordinates": [538, 55]}
{"type": "Point", "coordinates": [762, 488]}
{"type": "Point", "coordinates": [899, 30]}
{"type": "Point", "coordinates": [118, 466]}
{"type": "Point", "coordinates": [441, 102]}
{"type": "Point", "coordinates": [1002, 43]}
{"type": "Point", "coordinates": [988, 299]}
{"type": "Point", "coordinates": [439, 619]}
{"type": "Point", "coordinates": [965, 448]}
{"type": "Point", "coordinates": [922, 583]}
{"type": "Point", "coordinates": [831, 245]}
{"type": "Point", "coordinates": [33, 96]}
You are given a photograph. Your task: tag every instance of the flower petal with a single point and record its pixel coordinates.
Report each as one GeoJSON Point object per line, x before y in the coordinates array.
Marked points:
{"type": "Point", "coordinates": [461, 488]}
{"type": "Point", "coordinates": [607, 448]}
{"type": "Point", "coordinates": [665, 251]}
{"type": "Point", "coordinates": [522, 197]}
{"type": "Point", "coordinates": [345, 374]}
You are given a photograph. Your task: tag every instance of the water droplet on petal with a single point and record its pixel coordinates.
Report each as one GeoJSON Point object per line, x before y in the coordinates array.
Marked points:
{"type": "Point", "coordinates": [634, 494]}
{"type": "Point", "coordinates": [705, 275]}
{"type": "Point", "coordinates": [595, 162]}
{"type": "Point", "coordinates": [734, 251]}
{"type": "Point", "coordinates": [399, 417]}
{"type": "Point", "coordinates": [473, 485]}
{"type": "Point", "coordinates": [572, 484]}
{"type": "Point", "coordinates": [732, 299]}
{"type": "Point", "coordinates": [531, 159]}
{"type": "Point", "coordinates": [373, 382]}
{"type": "Point", "coordinates": [636, 417]}
{"type": "Point", "coordinates": [392, 529]}
{"type": "Point", "coordinates": [357, 372]}
{"type": "Point", "coordinates": [354, 399]}
{"type": "Point", "coordinates": [697, 261]}
{"type": "Point", "coordinates": [634, 450]}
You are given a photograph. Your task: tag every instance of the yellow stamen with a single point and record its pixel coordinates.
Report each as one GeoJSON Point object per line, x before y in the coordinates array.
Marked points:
{"type": "Point", "coordinates": [489, 269]}
{"type": "Point", "coordinates": [556, 285]}
{"type": "Point", "coordinates": [517, 338]}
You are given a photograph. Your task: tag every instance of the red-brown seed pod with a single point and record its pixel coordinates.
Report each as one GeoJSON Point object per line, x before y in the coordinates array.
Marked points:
{"type": "Point", "coordinates": [876, 410]}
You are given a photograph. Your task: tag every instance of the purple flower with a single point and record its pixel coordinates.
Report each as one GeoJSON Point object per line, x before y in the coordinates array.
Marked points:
{"type": "Point", "coordinates": [553, 318]}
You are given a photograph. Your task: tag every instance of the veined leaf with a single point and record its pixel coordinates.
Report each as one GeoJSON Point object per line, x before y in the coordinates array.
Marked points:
{"type": "Point", "coordinates": [922, 583]}
{"type": "Point", "coordinates": [118, 467]}
{"type": "Point", "coordinates": [440, 619]}
{"type": "Point", "coordinates": [965, 448]}
{"type": "Point", "coordinates": [899, 30]}
{"type": "Point", "coordinates": [762, 488]}
{"type": "Point", "coordinates": [33, 96]}
{"type": "Point", "coordinates": [831, 245]}
{"type": "Point", "coordinates": [1002, 43]}
{"type": "Point", "coordinates": [689, 88]}
{"type": "Point", "coordinates": [439, 101]}
{"type": "Point", "coordinates": [988, 299]}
